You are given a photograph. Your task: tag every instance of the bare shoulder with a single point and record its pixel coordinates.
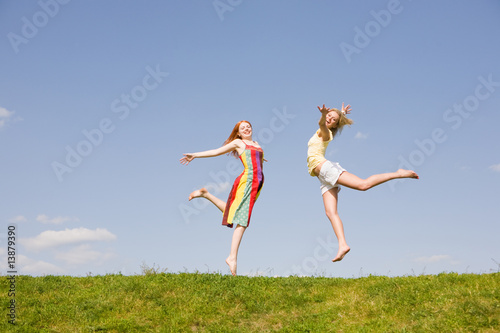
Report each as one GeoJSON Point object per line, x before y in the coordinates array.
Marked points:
{"type": "Point", "coordinates": [238, 143]}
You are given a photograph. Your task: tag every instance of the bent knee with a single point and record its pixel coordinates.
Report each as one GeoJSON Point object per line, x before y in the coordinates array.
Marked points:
{"type": "Point", "coordinates": [363, 186]}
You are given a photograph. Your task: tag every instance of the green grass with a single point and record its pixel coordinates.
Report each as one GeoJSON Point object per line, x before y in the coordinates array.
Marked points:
{"type": "Point", "coordinates": [192, 302]}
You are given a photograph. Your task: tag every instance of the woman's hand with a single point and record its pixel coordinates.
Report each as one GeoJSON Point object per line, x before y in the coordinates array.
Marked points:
{"type": "Point", "coordinates": [346, 109]}
{"type": "Point", "coordinates": [324, 110]}
{"type": "Point", "coordinates": [187, 158]}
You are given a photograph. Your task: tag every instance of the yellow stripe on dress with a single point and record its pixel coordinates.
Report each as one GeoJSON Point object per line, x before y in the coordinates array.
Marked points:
{"type": "Point", "coordinates": [240, 192]}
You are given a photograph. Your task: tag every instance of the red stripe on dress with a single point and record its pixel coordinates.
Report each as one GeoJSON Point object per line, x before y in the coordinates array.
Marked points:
{"type": "Point", "coordinates": [256, 184]}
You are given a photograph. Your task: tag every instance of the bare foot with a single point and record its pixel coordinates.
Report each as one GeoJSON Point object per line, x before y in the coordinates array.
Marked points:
{"type": "Point", "coordinates": [198, 193]}
{"type": "Point", "coordinates": [232, 266]}
{"type": "Point", "coordinates": [407, 173]}
{"type": "Point", "coordinates": [341, 254]}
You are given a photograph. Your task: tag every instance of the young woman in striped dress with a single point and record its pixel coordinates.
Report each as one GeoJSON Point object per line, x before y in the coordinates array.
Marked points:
{"type": "Point", "coordinates": [331, 174]}
{"type": "Point", "coordinates": [246, 188]}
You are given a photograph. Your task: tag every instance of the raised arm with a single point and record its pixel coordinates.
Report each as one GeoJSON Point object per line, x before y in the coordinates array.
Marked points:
{"type": "Point", "coordinates": [346, 109]}
{"type": "Point", "coordinates": [235, 144]}
{"type": "Point", "coordinates": [325, 132]}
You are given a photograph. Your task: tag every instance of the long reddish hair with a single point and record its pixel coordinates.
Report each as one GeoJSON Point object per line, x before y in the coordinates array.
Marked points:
{"type": "Point", "coordinates": [235, 135]}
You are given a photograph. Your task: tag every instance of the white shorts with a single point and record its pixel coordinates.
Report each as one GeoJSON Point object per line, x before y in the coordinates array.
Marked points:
{"type": "Point", "coordinates": [329, 175]}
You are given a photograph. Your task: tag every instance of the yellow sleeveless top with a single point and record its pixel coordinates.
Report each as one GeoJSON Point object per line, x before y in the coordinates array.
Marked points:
{"type": "Point", "coordinates": [316, 151]}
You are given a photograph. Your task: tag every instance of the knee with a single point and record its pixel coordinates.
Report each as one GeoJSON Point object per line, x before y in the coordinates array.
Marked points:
{"type": "Point", "coordinates": [363, 186]}
{"type": "Point", "coordinates": [331, 213]}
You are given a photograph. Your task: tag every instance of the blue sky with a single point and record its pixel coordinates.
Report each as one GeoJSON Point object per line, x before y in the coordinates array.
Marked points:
{"type": "Point", "coordinates": [98, 101]}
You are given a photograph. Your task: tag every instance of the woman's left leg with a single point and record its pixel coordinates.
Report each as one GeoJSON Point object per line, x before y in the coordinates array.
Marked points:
{"type": "Point", "coordinates": [352, 181]}
{"type": "Point", "coordinates": [203, 193]}
{"type": "Point", "coordinates": [330, 199]}
{"type": "Point", "coordinates": [235, 245]}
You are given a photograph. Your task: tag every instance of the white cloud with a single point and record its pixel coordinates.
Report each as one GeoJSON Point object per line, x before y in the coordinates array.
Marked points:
{"type": "Point", "coordinates": [30, 266]}
{"type": "Point", "coordinates": [433, 259]}
{"type": "Point", "coordinates": [83, 254]}
{"type": "Point", "coordinates": [51, 238]}
{"type": "Point", "coordinates": [56, 220]}
{"type": "Point", "coordinates": [17, 219]}
{"type": "Point", "coordinates": [360, 135]}
{"type": "Point", "coordinates": [4, 116]}
{"type": "Point", "coordinates": [495, 167]}
{"type": "Point", "coordinates": [4, 113]}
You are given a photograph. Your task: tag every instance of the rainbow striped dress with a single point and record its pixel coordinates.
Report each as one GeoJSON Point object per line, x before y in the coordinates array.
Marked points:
{"type": "Point", "coordinates": [246, 188]}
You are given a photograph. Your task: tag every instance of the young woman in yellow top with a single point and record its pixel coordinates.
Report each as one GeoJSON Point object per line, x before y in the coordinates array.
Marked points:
{"type": "Point", "coordinates": [331, 174]}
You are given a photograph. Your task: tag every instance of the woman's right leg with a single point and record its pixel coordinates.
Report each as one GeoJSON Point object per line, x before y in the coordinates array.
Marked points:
{"type": "Point", "coordinates": [203, 193]}
{"type": "Point", "coordinates": [235, 245]}
{"type": "Point", "coordinates": [231, 260]}
{"type": "Point", "coordinates": [352, 181]}
{"type": "Point", "coordinates": [330, 199]}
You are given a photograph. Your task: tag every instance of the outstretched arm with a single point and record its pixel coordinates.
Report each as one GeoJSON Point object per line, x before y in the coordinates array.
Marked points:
{"type": "Point", "coordinates": [235, 144]}
{"type": "Point", "coordinates": [325, 132]}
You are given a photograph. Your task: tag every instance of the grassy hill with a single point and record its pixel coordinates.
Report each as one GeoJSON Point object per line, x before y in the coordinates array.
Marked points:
{"type": "Point", "coordinates": [190, 302]}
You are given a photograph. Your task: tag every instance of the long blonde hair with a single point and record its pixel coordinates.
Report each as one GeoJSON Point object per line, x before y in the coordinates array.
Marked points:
{"type": "Point", "coordinates": [235, 135]}
{"type": "Point", "coordinates": [343, 120]}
